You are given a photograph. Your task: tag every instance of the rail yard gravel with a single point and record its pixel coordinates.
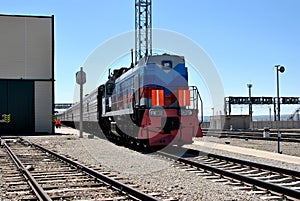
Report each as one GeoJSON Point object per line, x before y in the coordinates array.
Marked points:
{"type": "Point", "coordinates": [148, 170]}
{"type": "Point", "coordinates": [289, 148]}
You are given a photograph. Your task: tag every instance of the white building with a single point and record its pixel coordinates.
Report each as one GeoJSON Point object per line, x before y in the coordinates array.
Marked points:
{"type": "Point", "coordinates": [26, 74]}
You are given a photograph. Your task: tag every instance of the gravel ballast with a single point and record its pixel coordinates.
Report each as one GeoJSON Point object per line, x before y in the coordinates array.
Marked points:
{"type": "Point", "coordinates": [288, 148]}
{"type": "Point", "coordinates": [147, 170]}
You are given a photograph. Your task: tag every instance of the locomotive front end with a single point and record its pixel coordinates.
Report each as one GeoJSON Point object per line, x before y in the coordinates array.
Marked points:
{"type": "Point", "coordinates": [172, 107]}
{"type": "Point", "coordinates": [176, 125]}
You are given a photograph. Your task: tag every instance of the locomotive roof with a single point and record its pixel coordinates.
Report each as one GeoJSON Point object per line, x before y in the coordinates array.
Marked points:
{"type": "Point", "coordinates": [154, 59]}
{"type": "Point", "coordinates": [162, 57]}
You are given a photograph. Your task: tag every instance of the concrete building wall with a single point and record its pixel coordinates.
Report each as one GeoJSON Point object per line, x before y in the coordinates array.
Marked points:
{"type": "Point", "coordinates": [222, 122]}
{"type": "Point", "coordinates": [43, 113]}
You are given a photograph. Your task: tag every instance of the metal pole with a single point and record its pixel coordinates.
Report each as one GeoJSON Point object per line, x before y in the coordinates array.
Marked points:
{"type": "Point", "coordinates": [278, 101]}
{"type": "Point", "coordinates": [281, 69]}
{"type": "Point", "coordinates": [275, 115]}
{"type": "Point", "coordinates": [250, 103]}
{"type": "Point", "coordinates": [278, 113]}
{"type": "Point", "coordinates": [81, 105]}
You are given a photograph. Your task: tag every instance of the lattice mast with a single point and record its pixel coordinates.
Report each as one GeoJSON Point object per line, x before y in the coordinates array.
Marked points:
{"type": "Point", "coordinates": [143, 29]}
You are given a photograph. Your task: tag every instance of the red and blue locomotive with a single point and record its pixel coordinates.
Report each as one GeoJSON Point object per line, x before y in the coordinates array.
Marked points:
{"type": "Point", "coordinates": [150, 104]}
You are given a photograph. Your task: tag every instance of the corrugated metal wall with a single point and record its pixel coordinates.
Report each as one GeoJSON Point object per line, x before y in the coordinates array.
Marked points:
{"type": "Point", "coordinates": [26, 47]}
{"type": "Point", "coordinates": [27, 73]}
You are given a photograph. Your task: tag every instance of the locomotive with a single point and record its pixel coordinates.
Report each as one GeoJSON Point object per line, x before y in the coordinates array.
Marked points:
{"type": "Point", "coordinates": [149, 104]}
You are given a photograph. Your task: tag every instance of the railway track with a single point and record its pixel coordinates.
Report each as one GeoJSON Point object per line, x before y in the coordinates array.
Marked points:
{"type": "Point", "coordinates": [32, 172]}
{"type": "Point", "coordinates": [273, 183]}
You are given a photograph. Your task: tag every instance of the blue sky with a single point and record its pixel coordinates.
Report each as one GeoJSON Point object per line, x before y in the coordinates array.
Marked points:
{"type": "Point", "coordinates": [244, 38]}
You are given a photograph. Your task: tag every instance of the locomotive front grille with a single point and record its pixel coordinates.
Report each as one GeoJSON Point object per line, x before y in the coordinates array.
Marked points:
{"type": "Point", "coordinates": [169, 124]}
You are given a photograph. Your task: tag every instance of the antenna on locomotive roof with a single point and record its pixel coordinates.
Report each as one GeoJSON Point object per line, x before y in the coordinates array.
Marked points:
{"type": "Point", "coordinates": [109, 74]}
{"type": "Point", "coordinates": [132, 64]}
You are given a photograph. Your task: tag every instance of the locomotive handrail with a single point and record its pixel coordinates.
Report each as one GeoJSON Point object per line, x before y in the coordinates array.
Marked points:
{"type": "Point", "coordinates": [198, 97]}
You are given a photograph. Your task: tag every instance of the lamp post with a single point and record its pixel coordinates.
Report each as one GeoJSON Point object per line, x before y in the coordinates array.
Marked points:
{"type": "Point", "coordinates": [280, 69]}
{"type": "Point", "coordinates": [250, 103]}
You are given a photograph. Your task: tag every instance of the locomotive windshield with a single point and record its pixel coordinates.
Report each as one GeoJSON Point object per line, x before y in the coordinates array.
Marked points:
{"type": "Point", "coordinates": [166, 65]}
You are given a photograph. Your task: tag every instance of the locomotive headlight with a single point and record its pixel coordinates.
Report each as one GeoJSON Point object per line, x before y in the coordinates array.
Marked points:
{"type": "Point", "coordinates": [184, 112]}
{"type": "Point", "coordinates": [156, 112]}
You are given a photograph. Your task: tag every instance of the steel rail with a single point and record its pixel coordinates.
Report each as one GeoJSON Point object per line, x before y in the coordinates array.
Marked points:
{"type": "Point", "coordinates": [118, 185]}
{"type": "Point", "coordinates": [37, 189]}
{"type": "Point", "coordinates": [272, 187]}
{"type": "Point", "coordinates": [280, 170]}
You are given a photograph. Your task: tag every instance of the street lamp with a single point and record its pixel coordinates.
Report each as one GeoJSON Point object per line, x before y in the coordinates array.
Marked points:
{"type": "Point", "coordinates": [280, 69]}
{"type": "Point", "coordinates": [250, 103]}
